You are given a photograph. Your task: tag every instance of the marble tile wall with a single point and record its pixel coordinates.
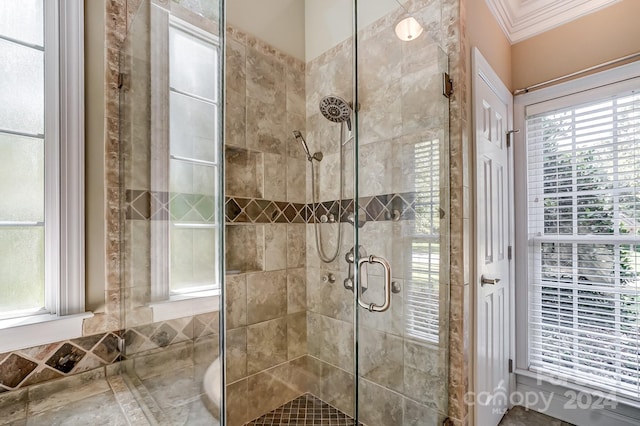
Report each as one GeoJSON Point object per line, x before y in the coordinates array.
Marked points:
{"type": "Point", "coordinates": [329, 305]}
{"type": "Point", "coordinates": [265, 228]}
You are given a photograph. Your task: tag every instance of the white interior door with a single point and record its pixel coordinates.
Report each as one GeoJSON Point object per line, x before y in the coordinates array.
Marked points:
{"type": "Point", "coordinates": [492, 105]}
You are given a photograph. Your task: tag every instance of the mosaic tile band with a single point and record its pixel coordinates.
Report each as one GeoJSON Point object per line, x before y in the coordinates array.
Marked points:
{"type": "Point", "coordinates": [149, 205]}
{"type": "Point", "coordinates": [398, 206]}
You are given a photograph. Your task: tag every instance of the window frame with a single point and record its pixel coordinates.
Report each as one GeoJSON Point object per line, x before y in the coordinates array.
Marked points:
{"type": "Point", "coordinates": [574, 92]}
{"type": "Point", "coordinates": [64, 181]}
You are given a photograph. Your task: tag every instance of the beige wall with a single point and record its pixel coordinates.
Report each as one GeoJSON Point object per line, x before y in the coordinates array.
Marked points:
{"type": "Point", "coordinates": [278, 22]}
{"type": "Point", "coordinates": [94, 151]}
{"type": "Point", "coordinates": [485, 34]}
{"type": "Point", "coordinates": [608, 34]}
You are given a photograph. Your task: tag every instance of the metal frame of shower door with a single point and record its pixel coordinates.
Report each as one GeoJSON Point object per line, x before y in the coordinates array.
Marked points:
{"type": "Point", "coordinates": [221, 215]}
{"type": "Point", "coordinates": [356, 242]}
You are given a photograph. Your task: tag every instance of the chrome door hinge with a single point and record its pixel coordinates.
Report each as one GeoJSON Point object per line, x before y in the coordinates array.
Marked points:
{"type": "Point", "coordinates": [447, 85]}
{"type": "Point", "coordinates": [510, 366]}
{"type": "Point", "coordinates": [509, 253]}
{"type": "Point", "coordinates": [120, 80]}
{"type": "Point", "coordinates": [121, 344]}
{"type": "Point", "coordinates": [447, 422]}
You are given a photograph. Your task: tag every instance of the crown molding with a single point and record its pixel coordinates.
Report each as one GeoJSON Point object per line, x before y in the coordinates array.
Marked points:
{"type": "Point", "coordinates": [522, 19]}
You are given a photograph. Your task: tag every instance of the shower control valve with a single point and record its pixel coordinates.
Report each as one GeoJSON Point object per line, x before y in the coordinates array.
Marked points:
{"type": "Point", "coordinates": [330, 218]}
{"type": "Point", "coordinates": [329, 278]}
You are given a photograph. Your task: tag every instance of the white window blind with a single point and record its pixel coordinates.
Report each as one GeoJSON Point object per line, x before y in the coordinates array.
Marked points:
{"type": "Point", "coordinates": [423, 289]}
{"type": "Point", "coordinates": [584, 243]}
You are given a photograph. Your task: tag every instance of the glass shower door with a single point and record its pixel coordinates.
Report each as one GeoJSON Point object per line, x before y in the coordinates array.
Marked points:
{"type": "Point", "coordinates": [402, 195]}
{"type": "Point", "coordinates": [171, 212]}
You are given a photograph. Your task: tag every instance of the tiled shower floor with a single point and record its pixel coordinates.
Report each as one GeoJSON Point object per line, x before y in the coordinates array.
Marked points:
{"type": "Point", "coordinates": [306, 410]}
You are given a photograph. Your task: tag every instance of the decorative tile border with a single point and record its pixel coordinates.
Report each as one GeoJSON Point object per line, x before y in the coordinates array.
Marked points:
{"type": "Point", "coordinates": [254, 210]}
{"type": "Point", "coordinates": [47, 362]}
{"type": "Point", "coordinates": [162, 334]}
{"type": "Point", "coordinates": [56, 360]}
{"type": "Point", "coordinates": [154, 205]}
{"type": "Point", "coordinates": [398, 206]}
{"type": "Point", "coordinates": [149, 205]}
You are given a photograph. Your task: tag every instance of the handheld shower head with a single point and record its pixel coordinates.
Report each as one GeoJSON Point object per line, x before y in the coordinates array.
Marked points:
{"type": "Point", "coordinates": [300, 139]}
{"type": "Point", "coordinates": [317, 156]}
{"type": "Point", "coordinates": [336, 109]}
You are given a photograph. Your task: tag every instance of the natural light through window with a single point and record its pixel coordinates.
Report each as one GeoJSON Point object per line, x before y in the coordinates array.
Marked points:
{"type": "Point", "coordinates": [423, 289]}
{"type": "Point", "coordinates": [584, 243]}
{"type": "Point", "coordinates": [193, 164]}
{"type": "Point", "coordinates": [22, 163]}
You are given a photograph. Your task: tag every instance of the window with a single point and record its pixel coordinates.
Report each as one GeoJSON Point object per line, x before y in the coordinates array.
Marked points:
{"type": "Point", "coordinates": [41, 158]}
{"type": "Point", "coordinates": [184, 248]}
{"type": "Point", "coordinates": [193, 164]}
{"type": "Point", "coordinates": [583, 204]}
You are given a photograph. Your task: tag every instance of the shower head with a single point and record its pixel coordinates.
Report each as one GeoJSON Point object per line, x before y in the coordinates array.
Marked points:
{"type": "Point", "coordinates": [336, 109]}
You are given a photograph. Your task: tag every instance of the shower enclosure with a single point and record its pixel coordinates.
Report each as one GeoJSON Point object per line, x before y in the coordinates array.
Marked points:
{"type": "Point", "coordinates": [326, 182]}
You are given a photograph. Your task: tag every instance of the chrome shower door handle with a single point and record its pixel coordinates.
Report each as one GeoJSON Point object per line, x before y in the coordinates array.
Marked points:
{"type": "Point", "coordinates": [372, 307]}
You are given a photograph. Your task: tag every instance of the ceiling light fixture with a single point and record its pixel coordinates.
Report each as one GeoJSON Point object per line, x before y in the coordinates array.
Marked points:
{"type": "Point", "coordinates": [408, 29]}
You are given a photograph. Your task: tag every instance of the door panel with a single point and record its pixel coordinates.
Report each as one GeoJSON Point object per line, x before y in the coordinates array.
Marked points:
{"type": "Point", "coordinates": [492, 282]}
{"type": "Point", "coordinates": [402, 178]}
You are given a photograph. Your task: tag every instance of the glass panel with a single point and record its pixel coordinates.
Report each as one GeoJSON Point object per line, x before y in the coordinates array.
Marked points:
{"type": "Point", "coordinates": [21, 88]}
{"type": "Point", "coordinates": [193, 179]}
{"type": "Point", "coordinates": [194, 63]}
{"type": "Point", "coordinates": [22, 20]}
{"type": "Point", "coordinates": [401, 179]}
{"type": "Point", "coordinates": [21, 269]}
{"type": "Point", "coordinates": [21, 179]}
{"type": "Point", "coordinates": [191, 254]}
{"type": "Point", "coordinates": [193, 131]}
{"type": "Point", "coordinates": [170, 233]}
{"type": "Point", "coordinates": [290, 319]}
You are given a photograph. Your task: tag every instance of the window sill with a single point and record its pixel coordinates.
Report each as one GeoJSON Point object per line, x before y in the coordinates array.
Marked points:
{"type": "Point", "coordinates": [36, 330]}
{"type": "Point", "coordinates": [186, 306]}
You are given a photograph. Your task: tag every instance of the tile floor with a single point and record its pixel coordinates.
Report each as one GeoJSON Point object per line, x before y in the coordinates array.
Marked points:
{"type": "Point", "coordinates": [175, 398]}
{"type": "Point", "coordinates": [520, 416]}
{"type": "Point", "coordinates": [172, 399]}
{"type": "Point", "coordinates": [306, 410]}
